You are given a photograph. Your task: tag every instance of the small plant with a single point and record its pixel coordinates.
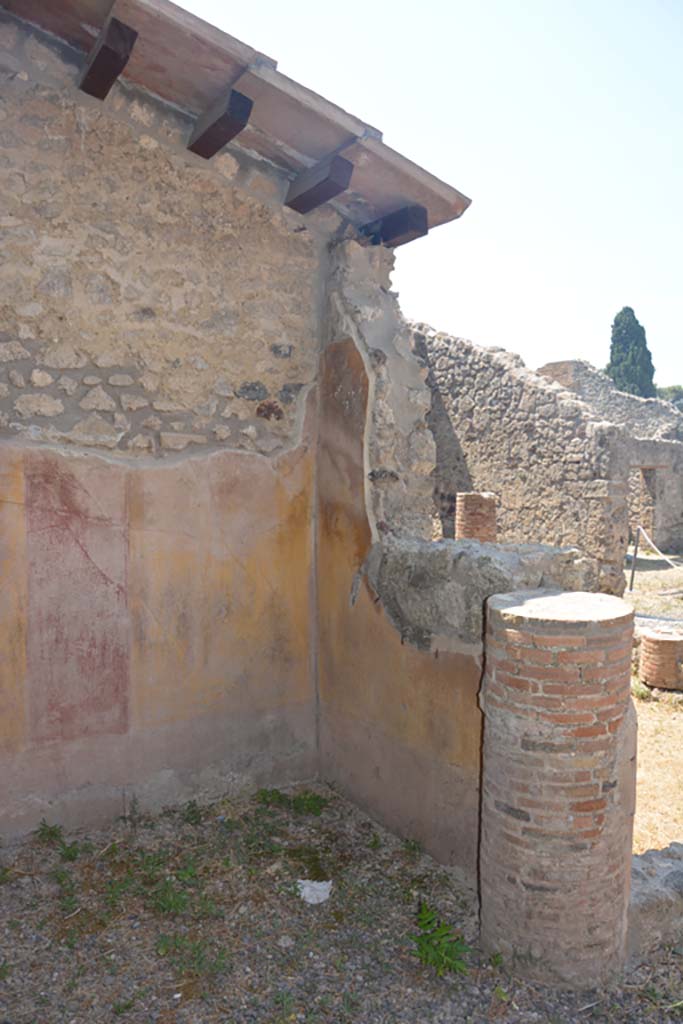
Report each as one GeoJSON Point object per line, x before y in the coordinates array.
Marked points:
{"type": "Point", "coordinates": [192, 813]}
{"type": "Point", "coordinates": [496, 960]}
{"type": "Point", "coordinates": [5, 874]}
{"type": "Point", "coordinates": [116, 890]}
{"type": "Point", "coordinates": [412, 848]}
{"type": "Point", "coordinates": [640, 691]}
{"type": "Point", "coordinates": [191, 957]}
{"type": "Point", "coordinates": [187, 874]}
{"type": "Point", "coordinates": [5, 968]}
{"type": "Point", "coordinates": [309, 803]}
{"type": "Point", "coordinates": [49, 835]}
{"type": "Point", "coordinates": [375, 841]}
{"type": "Point", "coordinates": [68, 851]}
{"type": "Point", "coordinates": [438, 945]}
{"type": "Point", "coordinates": [273, 798]}
{"type": "Point", "coordinates": [118, 1009]}
{"type": "Point", "coordinates": [306, 802]}
{"type": "Point", "coordinates": [165, 898]}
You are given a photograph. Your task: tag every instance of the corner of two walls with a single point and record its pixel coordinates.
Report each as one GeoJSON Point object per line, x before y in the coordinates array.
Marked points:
{"type": "Point", "coordinates": [400, 729]}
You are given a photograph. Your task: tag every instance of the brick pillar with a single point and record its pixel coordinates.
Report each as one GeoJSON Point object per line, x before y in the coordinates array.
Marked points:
{"type": "Point", "coordinates": [558, 784]}
{"type": "Point", "coordinates": [661, 659]}
{"type": "Point", "coordinates": [475, 516]}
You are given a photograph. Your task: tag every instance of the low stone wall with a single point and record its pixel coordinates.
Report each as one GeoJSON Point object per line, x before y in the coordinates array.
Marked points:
{"type": "Point", "coordinates": [560, 474]}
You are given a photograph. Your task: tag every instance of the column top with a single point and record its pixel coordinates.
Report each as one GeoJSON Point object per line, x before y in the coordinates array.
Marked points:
{"type": "Point", "coordinates": [559, 607]}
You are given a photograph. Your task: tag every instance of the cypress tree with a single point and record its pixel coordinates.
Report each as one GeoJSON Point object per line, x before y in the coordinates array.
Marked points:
{"type": "Point", "coordinates": [630, 363]}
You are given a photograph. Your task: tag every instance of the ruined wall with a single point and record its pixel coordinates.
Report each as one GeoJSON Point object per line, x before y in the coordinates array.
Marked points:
{"type": "Point", "coordinates": [643, 417]}
{"type": "Point", "coordinates": [150, 301]}
{"type": "Point", "coordinates": [657, 494]}
{"type": "Point", "coordinates": [559, 473]}
{"type": "Point", "coordinates": [653, 432]}
{"type": "Point", "coordinates": [399, 452]}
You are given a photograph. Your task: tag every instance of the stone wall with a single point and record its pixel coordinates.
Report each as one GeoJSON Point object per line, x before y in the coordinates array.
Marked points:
{"type": "Point", "coordinates": [642, 417]}
{"type": "Point", "coordinates": [560, 474]}
{"type": "Point", "coordinates": [150, 301]}
{"type": "Point", "coordinates": [652, 436]}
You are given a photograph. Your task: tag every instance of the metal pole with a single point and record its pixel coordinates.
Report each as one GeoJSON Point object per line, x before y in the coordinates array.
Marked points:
{"type": "Point", "coordinates": [635, 558]}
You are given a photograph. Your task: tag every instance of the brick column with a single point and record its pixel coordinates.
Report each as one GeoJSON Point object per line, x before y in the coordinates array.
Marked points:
{"type": "Point", "coordinates": [661, 659]}
{"type": "Point", "coordinates": [475, 516]}
{"type": "Point", "coordinates": [558, 784]}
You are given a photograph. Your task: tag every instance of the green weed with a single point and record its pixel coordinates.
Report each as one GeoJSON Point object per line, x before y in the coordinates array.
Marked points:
{"type": "Point", "coordinates": [68, 851]}
{"type": "Point", "coordinates": [5, 968]}
{"type": "Point", "coordinates": [192, 813]}
{"type": "Point", "coordinates": [118, 1009]}
{"type": "Point", "coordinates": [305, 802]}
{"type": "Point", "coordinates": [5, 875]}
{"type": "Point", "coordinates": [438, 945]}
{"type": "Point", "coordinates": [49, 835]}
{"type": "Point", "coordinates": [166, 898]}
{"type": "Point", "coordinates": [191, 958]}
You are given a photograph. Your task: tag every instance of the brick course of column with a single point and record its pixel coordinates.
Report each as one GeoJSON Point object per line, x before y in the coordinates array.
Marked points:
{"type": "Point", "coordinates": [558, 784]}
{"type": "Point", "coordinates": [475, 516]}
{"type": "Point", "coordinates": [661, 659]}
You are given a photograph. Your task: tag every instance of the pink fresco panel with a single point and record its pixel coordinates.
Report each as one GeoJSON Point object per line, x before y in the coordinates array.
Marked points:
{"type": "Point", "coordinates": [78, 625]}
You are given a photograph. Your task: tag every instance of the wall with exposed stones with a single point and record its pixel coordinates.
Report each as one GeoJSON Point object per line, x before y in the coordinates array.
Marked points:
{"type": "Point", "coordinates": [643, 417]}
{"type": "Point", "coordinates": [652, 436]}
{"type": "Point", "coordinates": [150, 301]}
{"type": "Point", "coordinates": [560, 473]}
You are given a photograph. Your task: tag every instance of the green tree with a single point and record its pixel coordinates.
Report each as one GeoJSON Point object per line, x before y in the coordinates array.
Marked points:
{"type": "Point", "coordinates": [630, 363]}
{"type": "Point", "coordinates": [673, 393]}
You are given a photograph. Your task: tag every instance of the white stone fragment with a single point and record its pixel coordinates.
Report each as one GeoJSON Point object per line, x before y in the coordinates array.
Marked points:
{"type": "Point", "coordinates": [313, 892]}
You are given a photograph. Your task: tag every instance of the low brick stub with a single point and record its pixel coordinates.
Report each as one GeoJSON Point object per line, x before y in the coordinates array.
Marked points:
{"type": "Point", "coordinates": [475, 516]}
{"type": "Point", "coordinates": [558, 785]}
{"type": "Point", "coordinates": [661, 659]}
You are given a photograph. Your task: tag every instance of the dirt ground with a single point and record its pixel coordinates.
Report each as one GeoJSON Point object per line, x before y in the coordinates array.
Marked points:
{"type": "Point", "coordinates": [195, 917]}
{"type": "Point", "coordinates": [658, 594]}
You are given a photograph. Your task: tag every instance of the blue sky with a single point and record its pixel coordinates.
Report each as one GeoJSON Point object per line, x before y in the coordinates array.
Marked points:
{"type": "Point", "coordinates": [561, 119]}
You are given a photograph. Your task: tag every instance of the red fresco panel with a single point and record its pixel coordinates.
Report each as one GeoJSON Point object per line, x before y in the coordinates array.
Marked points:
{"type": "Point", "coordinates": [78, 631]}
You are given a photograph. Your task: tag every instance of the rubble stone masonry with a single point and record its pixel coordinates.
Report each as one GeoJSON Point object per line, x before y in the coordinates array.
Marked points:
{"type": "Point", "coordinates": [151, 302]}
{"type": "Point", "coordinates": [558, 786]}
{"type": "Point", "coordinates": [560, 474]}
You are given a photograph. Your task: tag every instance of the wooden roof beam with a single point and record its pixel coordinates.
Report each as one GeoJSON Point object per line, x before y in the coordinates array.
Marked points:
{"type": "Point", "coordinates": [108, 58]}
{"type": "Point", "coordinates": [220, 123]}
{"type": "Point", "coordinates": [316, 185]}
{"type": "Point", "coordinates": [397, 228]}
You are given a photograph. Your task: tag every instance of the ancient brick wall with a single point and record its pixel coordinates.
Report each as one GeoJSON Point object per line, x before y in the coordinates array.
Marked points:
{"type": "Point", "coordinates": [560, 475]}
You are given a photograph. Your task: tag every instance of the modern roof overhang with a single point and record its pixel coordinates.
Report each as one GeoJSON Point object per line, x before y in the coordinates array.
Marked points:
{"type": "Point", "coordinates": [233, 90]}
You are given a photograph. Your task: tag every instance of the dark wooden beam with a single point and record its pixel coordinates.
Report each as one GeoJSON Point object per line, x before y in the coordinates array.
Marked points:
{"type": "Point", "coordinates": [220, 123]}
{"type": "Point", "coordinates": [108, 58]}
{"type": "Point", "coordinates": [316, 185]}
{"type": "Point", "coordinates": [397, 228]}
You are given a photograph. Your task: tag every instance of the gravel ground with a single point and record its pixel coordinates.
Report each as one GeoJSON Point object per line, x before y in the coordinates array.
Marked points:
{"type": "Point", "coordinates": [194, 917]}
